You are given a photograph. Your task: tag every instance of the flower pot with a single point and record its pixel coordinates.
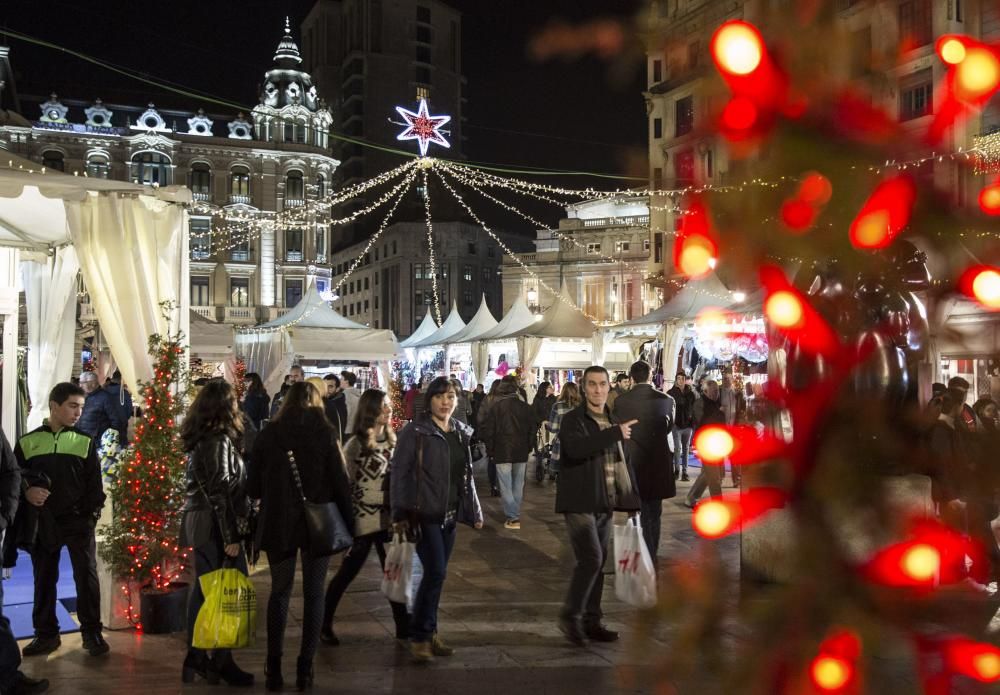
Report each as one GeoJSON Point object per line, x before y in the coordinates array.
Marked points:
{"type": "Point", "coordinates": [164, 610]}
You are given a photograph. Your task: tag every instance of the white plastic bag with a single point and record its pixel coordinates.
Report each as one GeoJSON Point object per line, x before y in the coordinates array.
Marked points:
{"type": "Point", "coordinates": [397, 577]}
{"type": "Point", "coordinates": [635, 578]}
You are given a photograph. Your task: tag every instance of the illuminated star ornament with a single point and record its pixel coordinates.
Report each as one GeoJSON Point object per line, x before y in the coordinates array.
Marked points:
{"type": "Point", "coordinates": [423, 127]}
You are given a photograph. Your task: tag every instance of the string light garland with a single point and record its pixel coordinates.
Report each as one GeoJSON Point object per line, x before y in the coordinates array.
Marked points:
{"type": "Point", "coordinates": [506, 249]}
{"type": "Point", "coordinates": [386, 197]}
{"type": "Point", "coordinates": [430, 242]}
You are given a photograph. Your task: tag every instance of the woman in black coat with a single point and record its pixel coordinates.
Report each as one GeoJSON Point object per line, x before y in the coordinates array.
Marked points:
{"type": "Point", "coordinates": [256, 402]}
{"type": "Point", "coordinates": [300, 427]}
{"type": "Point", "coordinates": [216, 501]}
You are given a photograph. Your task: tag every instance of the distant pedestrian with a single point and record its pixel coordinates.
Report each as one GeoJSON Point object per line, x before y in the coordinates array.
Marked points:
{"type": "Point", "coordinates": [352, 395]}
{"type": "Point", "coordinates": [594, 481]}
{"type": "Point", "coordinates": [108, 407]}
{"type": "Point", "coordinates": [335, 404]}
{"type": "Point", "coordinates": [433, 490]}
{"type": "Point", "coordinates": [569, 398]}
{"type": "Point", "coordinates": [508, 430]}
{"type": "Point", "coordinates": [256, 402]}
{"type": "Point", "coordinates": [708, 411]}
{"type": "Point", "coordinates": [463, 408]}
{"type": "Point", "coordinates": [368, 453]}
{"type": "Point", "coordinates": [299, 431]}
{"type": "Point", "coordinates": [295, 375]}
{"type": "Point", "coordinates": [683, 428]}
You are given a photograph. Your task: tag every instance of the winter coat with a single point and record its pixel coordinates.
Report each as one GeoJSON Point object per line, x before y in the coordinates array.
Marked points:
{"type": "Point", "coordinates": [257, 407]}
{"type": "Point", "coordinates": [542, 406]}
{"type": "Point", "coordinates": [683, 407]}
{"type": "Point", "coordinates": [582, 485]}
{"type": "Point", "coordinates": [368, 473]}
{"type": "Point", "coordinates": [103, 410]}
{"type": "Point", "coordinates": [949, 461]}
{"type": "Point", "coordinates": [281, 526]}
{"type": "Point", "coordinates": [509, 429]}
{"type": "Point", "coordinates": [463, 409]}
{"type": "Point", "coordinates": [420, 484]}
{"type": "Point", "coordinates": [648, 451]}
{"type": "Point", "coordinates": [10, 497]}
{"type": "Point", "coordinates": [708, 412]}
{"type": "Point", "coordinates": [336, 413]}
{"type": "Point", "coordinates": [216, 492]}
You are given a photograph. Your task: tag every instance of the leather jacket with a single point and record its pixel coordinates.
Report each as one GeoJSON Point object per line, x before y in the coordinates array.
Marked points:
{"type": "Point", "coordinates": [216, 492]}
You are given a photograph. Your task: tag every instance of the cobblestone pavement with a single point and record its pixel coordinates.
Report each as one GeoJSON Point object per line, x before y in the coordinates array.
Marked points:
{"type": "Point", "coordinates": [498, 610]}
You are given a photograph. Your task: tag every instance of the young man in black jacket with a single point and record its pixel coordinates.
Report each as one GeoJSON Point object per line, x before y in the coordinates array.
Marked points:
{"type": "Point", "coordinates": [63, 479]}
{"type": "Point", "coordinates": [594, 481]}
{"type": "Point", "coordinates": [684, 398]}
{"type": "Point", "coordinates": [509, 433]}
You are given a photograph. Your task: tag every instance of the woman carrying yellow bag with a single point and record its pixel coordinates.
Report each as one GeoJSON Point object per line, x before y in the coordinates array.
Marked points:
{"type": "Point", "coordinates": [228, 617]}
{"type": "Point", "coordinates": [215, 508]}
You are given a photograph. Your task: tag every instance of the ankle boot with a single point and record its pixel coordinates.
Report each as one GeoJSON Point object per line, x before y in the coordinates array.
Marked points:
{"type": "Point", "coordinates": [272, 674]}
{"type": "Point", "coordinates": [195, 665]}
{"type": "Point", "coordinates": [225, 669]}
{"type": "Point", "coordinates": [303, 673]}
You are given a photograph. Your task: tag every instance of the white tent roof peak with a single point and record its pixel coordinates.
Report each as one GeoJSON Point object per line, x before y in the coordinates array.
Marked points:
{"type": "Point", "coordinates": [561, 320]}
{"type": "Point", "coordinates": [452, 325]}
{"type": "Point", "coordinates": [696, 295]}
{"type": "Point", "coordinates": [482, 322]}
{"type": "Point", "coordinates": [518, 317]}
{"type": "Point", "coordinates": [424, 330]}
{"type": "Point", "coordinates": [312, 312]}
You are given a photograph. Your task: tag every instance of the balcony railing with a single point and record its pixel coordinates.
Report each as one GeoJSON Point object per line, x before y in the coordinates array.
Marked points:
{"type": "Point", "coordinates": [240, 256]}
{"type": "Point", "coordinates": [240, 314]}
{"type": "Point", "coordinates": [274, 312]}
{"type": "Point", "coordinates": [293, 256]}
{"type": "Point", "coordinates": [198, 195]}
{"type": "Point", "coordinates": [629, 220]}
{"type": "Point", "coordinates": [207, 312]}
{"type": "Point", "coordinates": [241, 199]}
{"type": "Point", "coordinates": [294, 202]}
{"type": "Point", "coordinates": [201, 254]}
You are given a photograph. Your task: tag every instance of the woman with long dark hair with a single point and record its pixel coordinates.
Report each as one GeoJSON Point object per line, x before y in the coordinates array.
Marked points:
{"type": "Point", "coordinates": [301, 431]}
{"type": "Point", "coordinates": [216, 500]}
{"type": "Point", "coordinates": [368, 454]}
{"type": "Point", "coordinates": [569, 398]}
{"type": "Point", "coordinates": [256, 402]}
{"type": "Point", "coordinates": [432, 490]}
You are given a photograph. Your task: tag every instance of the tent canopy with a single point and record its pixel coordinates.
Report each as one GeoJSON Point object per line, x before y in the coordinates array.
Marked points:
{"type": "Point", "coordinates": [482, 322]}
{"type": "Point", "coordinates": [517, 318]}
{"type": "Point", "coordinates": [424, 330]}
{"type": "Point", "coordinates": [697, 295]}
{"type": "Point", "coordinates": [451, 326]}
{"type": "Point", "coordinates": [210, 340]}
{"type": "Point", "coordinates": [312, 312]}
{"type": "Point", "coordinates": [560, 321]}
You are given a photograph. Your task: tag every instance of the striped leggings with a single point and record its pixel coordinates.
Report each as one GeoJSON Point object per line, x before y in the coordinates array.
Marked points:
{"type": "Point", "coordinates": [313, 580]}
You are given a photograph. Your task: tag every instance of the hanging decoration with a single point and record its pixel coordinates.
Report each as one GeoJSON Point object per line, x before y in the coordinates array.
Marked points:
{"type": "Point", "coordinates": [423, 127]}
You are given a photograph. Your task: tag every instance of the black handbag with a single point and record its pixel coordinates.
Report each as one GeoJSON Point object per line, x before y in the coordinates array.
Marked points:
{"type": "Point", "coordinates": [325, 526]}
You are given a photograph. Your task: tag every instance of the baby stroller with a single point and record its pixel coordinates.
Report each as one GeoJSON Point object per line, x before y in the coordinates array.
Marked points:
{"type": "Point", "coordinates": [543, 464]}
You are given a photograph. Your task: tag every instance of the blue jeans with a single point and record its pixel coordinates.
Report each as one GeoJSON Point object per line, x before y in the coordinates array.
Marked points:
{"type": "Point", "coordinates": [682, 448]}
{"type": "Point", "coordinates": [10, 655]}
{"type": "Point", "coordinates": [433, 549]}
{"type": "Point", "coordinates": [511, 479]}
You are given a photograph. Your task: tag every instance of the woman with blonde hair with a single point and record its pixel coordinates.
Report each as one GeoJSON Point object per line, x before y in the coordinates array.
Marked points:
{"type": "Point", "coordinates": [297, 451]}
{"type": "Point", "coordinates": [368, 453]}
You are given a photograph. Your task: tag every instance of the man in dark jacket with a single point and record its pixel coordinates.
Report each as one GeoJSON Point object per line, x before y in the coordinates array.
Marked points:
{"type": "Point", "coordinates": [63, 479]}
{"type": "Point", "coordinates": [508, 430]}
{"type": "Point", "coordinates": [109, 407]}
{"type": "Point", "coordinates": [594, 481]}
{"type": "Point", "coordinates": [648, 449]}
{"type": "Point", "coordinates": [12, 680]}
{"type": "Point", "coordinates": [295, 375]}
{"type": "Point", "coordinates": [335, 405]}
{"type": "Point", "coordinates": [707, 411]}
{"type": "Point", "coordinates": [684, 398]}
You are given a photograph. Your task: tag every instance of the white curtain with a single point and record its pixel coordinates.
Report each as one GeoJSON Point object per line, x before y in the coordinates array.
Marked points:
{"type": "Point", "coordinates": [384, 370]}
{"type": "Point", "coordinates": [671, 337]}
{"type": "Point", "coordinates": [528, 347]}
{"type": "Point", "coordinates": [269, 354]}
{"type": "Point", "coordinates": [599, 348]}
{"type": "Point", "coordinates": [480, 360]}
{"type": "Point", "coordinates": [133, 256]}
{"type": "Point", "coordinates": [50, 298]}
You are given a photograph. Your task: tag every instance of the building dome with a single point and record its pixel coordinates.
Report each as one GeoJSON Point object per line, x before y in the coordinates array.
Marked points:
{"type": "Point", "coordinates": [284, 84]}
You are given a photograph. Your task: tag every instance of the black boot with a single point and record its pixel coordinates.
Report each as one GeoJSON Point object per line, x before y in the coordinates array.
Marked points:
{"type": "Point", "coordinates": [195, 664]}
{"type": "Point", "coordinates": [303, 674]}
{"type": "Point", "coordinates": [222, 667]}
{"type": "Point", "coordinates": [272, 672]}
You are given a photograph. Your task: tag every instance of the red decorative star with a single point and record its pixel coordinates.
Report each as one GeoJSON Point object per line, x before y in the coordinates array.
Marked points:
{"type": "Point", "coordinates": [423, 127]}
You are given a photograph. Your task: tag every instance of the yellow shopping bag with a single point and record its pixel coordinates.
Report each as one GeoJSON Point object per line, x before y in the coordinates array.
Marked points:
{"type": "Point", "coordinates": [228, 618]}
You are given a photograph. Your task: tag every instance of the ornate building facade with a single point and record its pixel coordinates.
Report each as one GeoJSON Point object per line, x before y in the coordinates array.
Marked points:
{"type": "Point", "coordinates": [263, 166]}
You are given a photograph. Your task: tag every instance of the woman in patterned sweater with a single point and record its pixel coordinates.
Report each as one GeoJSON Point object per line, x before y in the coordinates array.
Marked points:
{"type": "Point", "coordinates": [367, 454]}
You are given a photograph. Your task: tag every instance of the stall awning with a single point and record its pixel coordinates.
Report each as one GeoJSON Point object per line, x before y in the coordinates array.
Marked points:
{"type": "Point", "coordinates": [560, 320]}
{"type": "Point", "coordinates": [518, 317]}
{"type": "Point", "coordinates": [481, 323]}
{"type": "Point", "coordinates": [451, 326]}
{"type": "Point", "coordinates": [424, 330]}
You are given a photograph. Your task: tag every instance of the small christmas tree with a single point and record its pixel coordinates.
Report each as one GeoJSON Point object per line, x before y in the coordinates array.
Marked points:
{"type": "Point", "coordinates": [239, 378]}
{"type": "Point", "coordinates": [147, 492]}
{"type": "Point", "coordinates": [396, 395]}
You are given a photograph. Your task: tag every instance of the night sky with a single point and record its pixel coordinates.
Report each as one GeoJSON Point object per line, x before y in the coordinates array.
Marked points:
{"type": "Point", "coordinates": [582, 113]}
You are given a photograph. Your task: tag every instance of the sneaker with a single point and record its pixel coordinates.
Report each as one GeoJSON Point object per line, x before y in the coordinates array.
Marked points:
{"type": "Point", "coordinates": [41, 645]}
{"type": "Point", "coordinates": [684, 477]}
{"type": "Point", "coordinates": [599, 633]}
{"type": "Point", "coordinates": [26, 686]}
{"type": "Point", "coordinates": [439, 648]}
{"type": "Point", "coordinates": [514, 524]}
{"type": "Point", "coordinates": [421, 652]}
{"type": "Point", "coordinates": [94, 643]}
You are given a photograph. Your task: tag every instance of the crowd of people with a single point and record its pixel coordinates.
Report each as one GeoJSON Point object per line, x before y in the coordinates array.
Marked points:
{"type": "Point", "coordinates": [323, 440]}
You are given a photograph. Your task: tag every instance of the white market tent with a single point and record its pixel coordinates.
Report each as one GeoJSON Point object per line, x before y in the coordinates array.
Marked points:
{"type": "Point", "coordinates": [517, 318]}
{"type": "Point", "coordinates": [451, 326]}
{"type": "Point", "coordinates": [424, 330]}
{"type": "Point", "coordinates": [479, 355]}
{"type": "Point", "coordinates": [129, 243]}
{"type": "Point", "coordinates": [210, 340]}
{"type": "Point", "coordinates": [311, 330]}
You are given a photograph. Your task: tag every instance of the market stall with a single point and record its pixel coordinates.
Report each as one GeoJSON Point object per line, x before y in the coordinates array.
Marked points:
{"type": "Point", "coordinates": [467, 352]}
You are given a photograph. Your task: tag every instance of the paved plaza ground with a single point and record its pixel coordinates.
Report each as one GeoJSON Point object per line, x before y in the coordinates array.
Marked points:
{"type": "Point", "coordinates": [499, 610]}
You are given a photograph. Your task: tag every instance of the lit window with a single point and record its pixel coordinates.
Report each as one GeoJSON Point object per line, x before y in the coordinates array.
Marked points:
{"type": "Point", "coordinates": [199, 291]}
{"type": "Point", "coordinates": [151, 168]}
{"type": "Point", "coordinates": [594, 248]}
{"type": "Point", "coordinates": [239, 292]}
{"type": "Point", "coordinates": [200, 243]}
{"type": "Point", "coordinates": [294, 186]}
{"type": "Point", "coordinates": [201, 178]}
{"type": "Point", "coordinates": [98, 167]}
{"type": "Point", "coordinates": [467, 273]}
{"type": "Point", "coordinates": [239, 181]}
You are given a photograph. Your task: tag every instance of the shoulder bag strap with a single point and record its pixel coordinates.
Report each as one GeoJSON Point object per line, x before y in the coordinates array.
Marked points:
{"type": "Point", "coordinates": [295, 475]}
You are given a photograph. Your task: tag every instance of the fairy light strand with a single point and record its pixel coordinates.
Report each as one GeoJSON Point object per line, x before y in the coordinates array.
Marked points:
{"type": "Point", "coordinates": [430, 243]}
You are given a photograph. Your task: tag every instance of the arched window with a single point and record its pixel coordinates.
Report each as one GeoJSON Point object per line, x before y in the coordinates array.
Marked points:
{"type": "Point", "coordinates": [98, 166]}
{"type": "Point", "coordinates": [201, 179]}
{"type": "Point", "coordinates": [289, 130]}
{"type": "Point", "coordinates": [53, 159]}
{"type": "Point", "coordinates": [239, 183]}
{"type": "Point", "coordinates": [294, 189]}
{"type": "Point", "coordinates": [321, 186]}
{"type": "Point", "coordinates": [301, 133]}
{"type": "Point", "coordinates": [151, 168]}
